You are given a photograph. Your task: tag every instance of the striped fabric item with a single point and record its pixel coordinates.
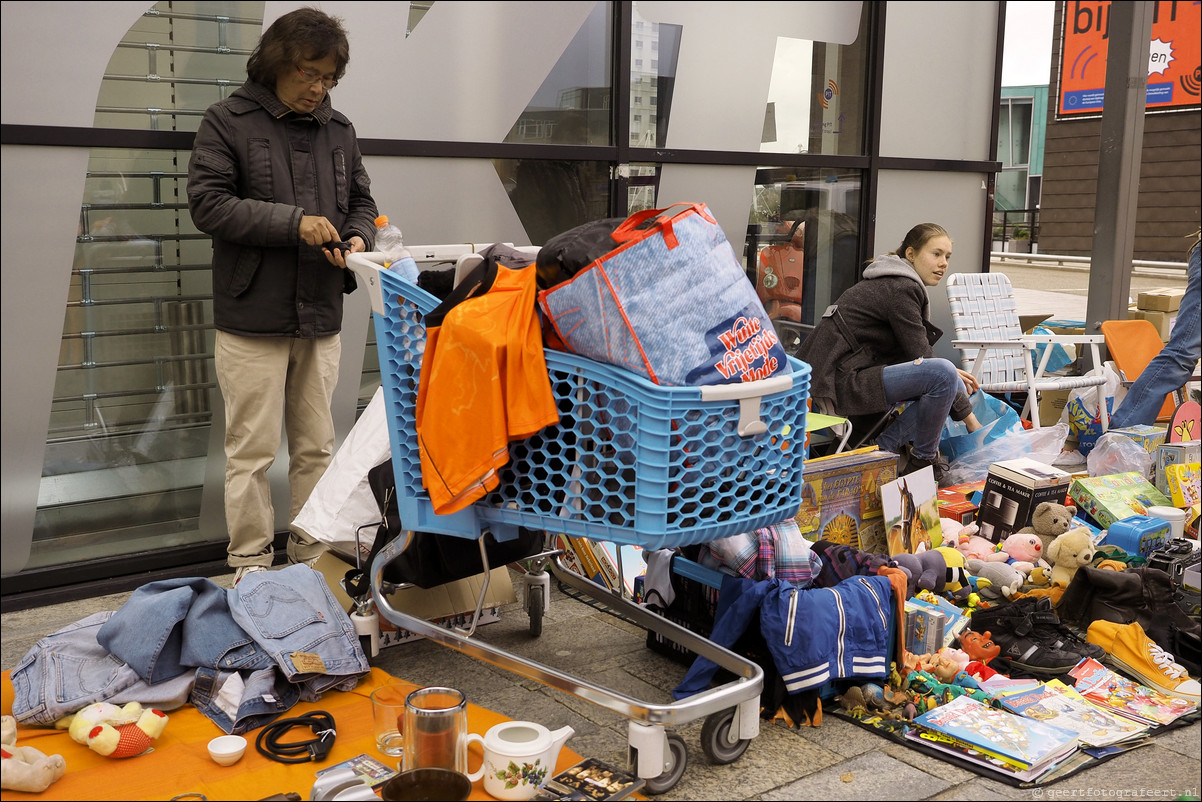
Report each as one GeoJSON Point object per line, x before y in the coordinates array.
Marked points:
{"type": "Point", "coordinates": [773, 552]}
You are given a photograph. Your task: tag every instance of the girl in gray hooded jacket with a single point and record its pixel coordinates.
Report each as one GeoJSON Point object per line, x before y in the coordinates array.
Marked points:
{"type": "Point", "coordinates": [872, 349]}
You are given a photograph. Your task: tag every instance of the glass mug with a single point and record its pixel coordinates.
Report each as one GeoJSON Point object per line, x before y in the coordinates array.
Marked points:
{"type": "Point", "coordinates": [388, 712]}
{"type": "Point", "coordinates": [435, 731]}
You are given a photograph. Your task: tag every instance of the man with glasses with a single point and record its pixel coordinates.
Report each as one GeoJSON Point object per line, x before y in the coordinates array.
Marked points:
{"type": "Point", "coordinates": [276, 178]}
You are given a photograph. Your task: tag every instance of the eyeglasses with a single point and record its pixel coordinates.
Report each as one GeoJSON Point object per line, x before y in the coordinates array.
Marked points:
{"type": "Point", "coordinates": [310, 78]}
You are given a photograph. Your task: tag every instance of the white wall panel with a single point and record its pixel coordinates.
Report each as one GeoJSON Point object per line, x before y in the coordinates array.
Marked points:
{"type": "Point", "coordinates": [955, 201]}
{"type": "Point", "coordinates": [938, 89]}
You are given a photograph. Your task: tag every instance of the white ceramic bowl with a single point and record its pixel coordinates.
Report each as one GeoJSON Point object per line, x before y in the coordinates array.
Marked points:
{"type": "Point", "coordinates": [227, 750]}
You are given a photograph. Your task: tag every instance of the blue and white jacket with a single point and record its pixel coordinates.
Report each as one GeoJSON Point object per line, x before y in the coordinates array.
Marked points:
{"type": "Point", "coordinates": [814, 634]}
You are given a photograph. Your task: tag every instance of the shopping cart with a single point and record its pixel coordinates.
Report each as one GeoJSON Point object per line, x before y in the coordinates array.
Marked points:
{"type": "Point", "coordinates": [630, 462]}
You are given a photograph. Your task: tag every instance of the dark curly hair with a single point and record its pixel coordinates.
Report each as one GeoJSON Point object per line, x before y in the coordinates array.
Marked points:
{"type": "Point", "coordinates": [302, 35]}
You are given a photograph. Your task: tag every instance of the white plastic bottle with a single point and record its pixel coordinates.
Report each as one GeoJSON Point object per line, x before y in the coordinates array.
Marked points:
{"type": "Point", "coordinates": [390, 243]}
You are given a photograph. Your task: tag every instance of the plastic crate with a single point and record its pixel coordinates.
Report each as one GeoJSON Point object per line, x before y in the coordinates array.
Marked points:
{"type": "Point", "coordinates": [629, 462]}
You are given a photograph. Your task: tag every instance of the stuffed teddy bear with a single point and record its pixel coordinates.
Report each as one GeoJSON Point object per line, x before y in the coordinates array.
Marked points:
{"type": "Point", "coordinates": [23, 768]}
{"type": "Point", "coordinates": [115, 731]}
{"type": "Point", "coordinates": [1023, 550]}
{"type": "Point", "coordinates": [1049, 520]}
{"type": "Point", "coordinates": [1004, 579]}
{"type": "Point", "coordinates": [1069, 552]}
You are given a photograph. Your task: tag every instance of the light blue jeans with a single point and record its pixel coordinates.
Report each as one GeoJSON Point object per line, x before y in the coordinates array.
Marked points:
{"type": "Point", "coordinates": [1169, 369]}
{"type": "Point", "coordinates": [930, 387]}
{"type": "Point", "coordinates": [69, 670]}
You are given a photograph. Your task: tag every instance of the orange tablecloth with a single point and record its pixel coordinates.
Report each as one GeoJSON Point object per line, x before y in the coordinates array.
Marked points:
{"type": "Point", "coordinates": [180, 762]}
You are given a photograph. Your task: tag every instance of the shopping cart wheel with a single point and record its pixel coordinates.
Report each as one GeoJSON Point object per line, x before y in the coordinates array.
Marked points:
{"type": "Point", "coordinates": [676, 758]}
{"type": "Point", "coordinates": [536, 605]}
{"type": "Point", "coordinates": [717, 741]}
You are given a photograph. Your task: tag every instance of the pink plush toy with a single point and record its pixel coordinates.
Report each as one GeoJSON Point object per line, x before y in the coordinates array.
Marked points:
{"type": "Point", "coordinates": [975, 547]}
{"type": "Point", "coordinates": [1023, 550]}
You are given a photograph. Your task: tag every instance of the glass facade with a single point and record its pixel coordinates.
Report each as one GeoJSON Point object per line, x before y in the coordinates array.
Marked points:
{"type": "Point", "coordinates": [629, 106]}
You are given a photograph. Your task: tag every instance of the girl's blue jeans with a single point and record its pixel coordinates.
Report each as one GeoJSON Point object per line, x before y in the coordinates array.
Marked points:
{"type": "Point", "coordinates": [929, 386]}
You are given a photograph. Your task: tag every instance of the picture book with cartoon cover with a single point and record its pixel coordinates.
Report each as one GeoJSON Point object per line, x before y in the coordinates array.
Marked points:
{"type": "Point", "coordinates": [1024, 742]}
{"type": "Point", "coordinates": [1112, 691]}
{"type": "Point", "coordinates": [1054, 703]}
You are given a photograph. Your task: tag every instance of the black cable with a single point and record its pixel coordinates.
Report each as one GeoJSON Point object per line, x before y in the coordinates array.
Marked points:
{"type": "Point", "coordinates": [312, 750]}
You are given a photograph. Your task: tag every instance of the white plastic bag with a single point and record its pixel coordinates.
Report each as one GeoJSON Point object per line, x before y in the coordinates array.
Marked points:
{"type": "Point", "coordinates": [1116, 453]}
{"type": "Point", "coordinates": [1042, 445]}
{"type": "Point", "coordinates": [342, 501]}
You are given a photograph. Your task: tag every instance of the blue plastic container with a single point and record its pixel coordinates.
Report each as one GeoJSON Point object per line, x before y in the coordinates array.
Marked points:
{"type": "Point", "coordinates": [630, 461]}
{"type": "Point", "coordinates": [1139, 534]}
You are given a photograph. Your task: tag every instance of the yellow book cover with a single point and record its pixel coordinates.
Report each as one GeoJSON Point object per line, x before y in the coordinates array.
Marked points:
{"type": "Point", "coordinates": [1183, 480]}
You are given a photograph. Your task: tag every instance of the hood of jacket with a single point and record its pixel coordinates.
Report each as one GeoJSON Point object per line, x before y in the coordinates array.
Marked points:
{"type": "Point", "coordinates": [890, 264]}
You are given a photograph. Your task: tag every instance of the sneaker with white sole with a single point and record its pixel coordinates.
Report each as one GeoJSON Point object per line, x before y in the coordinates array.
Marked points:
{"type": "Point", "coordinates": [242, 570]}
{"type": "Point", "coordinates": [1131, 650]}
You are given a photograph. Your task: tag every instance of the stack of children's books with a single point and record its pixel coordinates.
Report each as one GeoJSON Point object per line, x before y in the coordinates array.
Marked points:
{"type": "Point", "coordinates": [1000, 741]}
{"type": "Point", "coordinates": [1126, 697]}
{"type": "Point", "coordinates": [1057, 704]}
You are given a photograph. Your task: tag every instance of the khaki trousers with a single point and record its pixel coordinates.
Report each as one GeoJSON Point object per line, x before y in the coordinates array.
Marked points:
{"type": "Point", "coordinates": [273, 384]}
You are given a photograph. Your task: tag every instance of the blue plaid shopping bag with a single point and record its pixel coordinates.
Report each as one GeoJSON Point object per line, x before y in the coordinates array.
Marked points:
{"type": "Point", "coordinates": [670, 303]}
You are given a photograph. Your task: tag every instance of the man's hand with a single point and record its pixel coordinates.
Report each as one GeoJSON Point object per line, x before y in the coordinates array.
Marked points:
{"type": "Point", "coordinates": [336, 257]}
{"type": "Point", "coordinates": [316, 230]}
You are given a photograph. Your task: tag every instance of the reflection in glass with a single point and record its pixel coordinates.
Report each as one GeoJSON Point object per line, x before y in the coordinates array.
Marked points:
{"type": "Point", "coordinates": [129, 423]}
{"type": "Point", "coordinates": [816, 97]}
{"type": "Point", "coordinates": [803, 242]}
{"type": "Point", "coordinates": [551, 196]}
{"type": "Point", "coordinates": [173, 64]}
{"type": "Point", "coordinates": [572, 105]}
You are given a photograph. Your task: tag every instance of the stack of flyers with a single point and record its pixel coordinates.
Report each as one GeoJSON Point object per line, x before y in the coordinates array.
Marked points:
{"type": "Point", "coordinates": [1116, 693]}
{"type": "Point", "coordinates": [1057, 704]}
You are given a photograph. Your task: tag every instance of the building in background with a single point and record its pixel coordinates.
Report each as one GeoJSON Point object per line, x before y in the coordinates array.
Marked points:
{"type": "Point", "coordinates": [1049, 140]}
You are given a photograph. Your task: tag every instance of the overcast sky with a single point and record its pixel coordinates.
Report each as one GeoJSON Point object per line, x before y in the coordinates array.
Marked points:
{"type": "Point", "coordinates": [1027, 59]}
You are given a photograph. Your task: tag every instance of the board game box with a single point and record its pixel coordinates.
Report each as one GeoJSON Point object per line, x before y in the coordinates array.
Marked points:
{"type": "Point", "coordinates": [1113, 497]}
{"type": "Point", "coordinates": [841, 498]}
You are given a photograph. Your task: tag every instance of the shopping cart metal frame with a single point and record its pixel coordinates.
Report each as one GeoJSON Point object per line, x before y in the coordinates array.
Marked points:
{"type": "Point", "coordinates": [731, 709]}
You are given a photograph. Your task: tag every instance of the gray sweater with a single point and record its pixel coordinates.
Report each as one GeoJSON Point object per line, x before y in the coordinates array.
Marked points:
{"type": "Point", "coordinates": [887, 313]}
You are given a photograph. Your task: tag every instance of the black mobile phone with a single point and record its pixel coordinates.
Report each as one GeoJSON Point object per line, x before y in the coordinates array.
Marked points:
{"type": "Point", "coordinates": [345, 247]}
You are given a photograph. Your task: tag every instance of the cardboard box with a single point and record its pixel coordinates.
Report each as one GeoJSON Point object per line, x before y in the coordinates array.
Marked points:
{"type": "Point", "coordinates": [924, 628]}
{"type": "Point", "coordinates": [1172, 454]}
{"type": "Point", "coordinates": [956, 502]}
{"type": "Point", "coordinates": [1028, 322]}
{"type": "Point", "coordinates": [841, 496]}
{"type": "Point", "coordinates": [448, 605]}
{"type": "Point", "coordinates": [1148, 436]}
{"type": "Point", "coordinates": [1051, 406]}
{"type": "Point", "coordinates": [1163, 321]}
{"type": "Point", "coordinates": [1066, 326]}
{"type": "Point", "coordinates": [1165, 299]}
{"type": "Point", "coordinates": [1013, 488]}
{"type": "Point", "coordinates": [1111, 498]}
